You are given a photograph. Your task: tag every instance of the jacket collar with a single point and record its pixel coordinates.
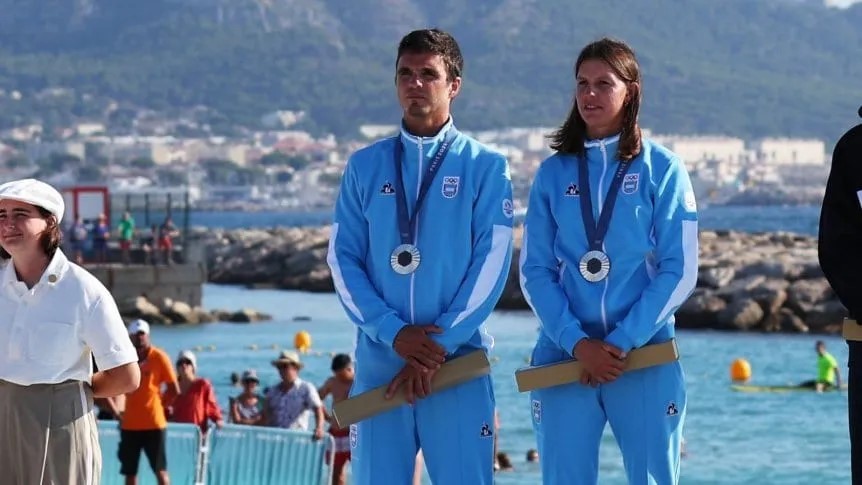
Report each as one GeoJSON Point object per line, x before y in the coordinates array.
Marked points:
{"type": "Point", "coordinates": [406, 136]}
{"type": "Point", "coordinates": [602, 141]}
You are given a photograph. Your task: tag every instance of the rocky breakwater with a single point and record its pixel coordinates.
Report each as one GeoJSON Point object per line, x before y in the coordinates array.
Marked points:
{"type": "Point", "coordinates": [287, 258]}
{"type": "Point", "coordinates": [763, 282]}
{"type": "Point", "coordinates": [169, 312]}
{"type": "Point", "coordinates": [753, 282]}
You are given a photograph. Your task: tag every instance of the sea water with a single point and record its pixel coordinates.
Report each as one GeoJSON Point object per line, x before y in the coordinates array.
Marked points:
{"type": "Point", "coordinates": [732, 437]}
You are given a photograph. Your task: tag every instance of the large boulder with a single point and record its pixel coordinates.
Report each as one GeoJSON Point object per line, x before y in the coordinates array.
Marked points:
{"type": "Point", "coordinates": [700, 311]}
{"type": "Point", "coordinates": [740, 314]}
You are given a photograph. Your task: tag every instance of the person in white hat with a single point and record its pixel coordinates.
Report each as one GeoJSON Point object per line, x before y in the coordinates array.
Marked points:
{"type": "Point", "coordinates": [196, 403]}
{"type": "Point", "coordinates": [55, 320]}
{"type": "Point", "coordinates": [143, 424]}
{"type": "Point", "coordinates": [289, 404]}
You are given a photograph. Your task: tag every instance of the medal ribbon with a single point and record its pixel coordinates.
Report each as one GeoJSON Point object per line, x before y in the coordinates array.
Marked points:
{"type": "Point", "coordinates": [407, 223]}
{"type": "Point", "coordinates": [596, 233]}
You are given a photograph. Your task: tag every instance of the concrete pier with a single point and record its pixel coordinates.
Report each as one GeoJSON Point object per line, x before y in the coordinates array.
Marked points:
{"type": "Point", "coordinates": [180, 282]}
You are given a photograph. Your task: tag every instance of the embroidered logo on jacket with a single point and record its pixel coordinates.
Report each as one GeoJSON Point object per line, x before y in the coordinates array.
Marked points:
{"type": "Point", "coordinates": [671, 409]}
{"type": "Point", "coordinates": [572, 190]}
{"type": "Point", "coordinates": [486, 431]}
{"type": "Point", "coordinates": [537, 411]}
{"type": "Point", "coordinates": [630, 183]}
{"type": "Point", "coordinates": [387, 189]}
{"type": "Point", "coordinates": [508, 208]}
{"type": "Point", "coordinates": [450, 186]}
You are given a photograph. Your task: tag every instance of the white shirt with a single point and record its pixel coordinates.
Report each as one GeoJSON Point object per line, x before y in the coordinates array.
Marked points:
{"type": "Point", "coordinates": [48, 332]}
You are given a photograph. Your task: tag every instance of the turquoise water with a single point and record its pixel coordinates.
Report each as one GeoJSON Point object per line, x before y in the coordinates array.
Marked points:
{"type": "Point", "coordinates": [799, 219]}
{"type": "Point", "coordinates": [732, 438]}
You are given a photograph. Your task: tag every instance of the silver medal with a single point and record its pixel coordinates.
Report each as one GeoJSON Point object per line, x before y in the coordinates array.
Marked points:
{"type": "Point", "coordinates": [405, 259]}
{"type": "Point", "coordinates": [595, 266]}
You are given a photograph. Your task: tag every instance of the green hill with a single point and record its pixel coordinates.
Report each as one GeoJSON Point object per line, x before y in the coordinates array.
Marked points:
{"type": "Point", "coordinates": [741, 67]}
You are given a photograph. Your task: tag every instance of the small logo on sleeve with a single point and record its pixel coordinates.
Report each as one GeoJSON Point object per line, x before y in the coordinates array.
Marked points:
{"type": "Point", "coordinates": [486, 431]}
{"type": "Point", "coordinates": [387, 189]}
{"type": "Point", "coordinates": [508, 208]}
{"type": "Point", "coordinates": [671, 409]}
{"type": "Point", "coordinates": [537, 411]}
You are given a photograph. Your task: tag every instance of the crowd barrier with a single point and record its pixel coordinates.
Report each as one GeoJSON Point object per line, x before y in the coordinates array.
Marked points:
{"type": "Point", "coordinates": [235, 454]}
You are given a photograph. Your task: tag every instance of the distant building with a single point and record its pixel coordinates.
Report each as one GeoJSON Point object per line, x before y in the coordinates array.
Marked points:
{"type": "Point", "coordinates": [695, 149]}
{"type": "Point", "coordinates": [282, 119]}
{"type": "Point", "coordinates": [89, 129]}
{"type": "Point", "coordinates": [790, 151]}
{"type": "Point", "coordinates": [377, 131]}
{"type": "Point", "coordinates": [159, 153]}
{"type": "Point", "coordinates": [23, 133]}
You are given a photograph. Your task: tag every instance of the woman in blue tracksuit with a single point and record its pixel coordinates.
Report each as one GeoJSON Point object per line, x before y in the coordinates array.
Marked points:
{"type": "Point", "coordinates": [609, 253]}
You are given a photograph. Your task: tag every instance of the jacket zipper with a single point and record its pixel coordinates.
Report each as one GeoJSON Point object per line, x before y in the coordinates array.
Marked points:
{"type": "Point", "coordinates": [415, 235]}
{"type": "Point", "coordinates": [601, 203]}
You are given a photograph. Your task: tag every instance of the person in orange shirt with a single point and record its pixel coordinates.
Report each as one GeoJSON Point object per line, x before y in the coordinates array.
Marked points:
{"type": "Point", "coordinates": [196, 403]}
{"type": "Point", "coordinates": [143, 424]}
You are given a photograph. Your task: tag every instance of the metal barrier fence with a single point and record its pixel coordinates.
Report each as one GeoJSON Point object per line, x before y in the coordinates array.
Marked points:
{"type": "Point", "coordinates": [235, 454]}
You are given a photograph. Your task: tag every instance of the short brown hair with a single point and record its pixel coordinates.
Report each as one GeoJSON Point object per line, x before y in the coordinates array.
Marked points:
{"type": "Point", "coordinates": [434, 41]}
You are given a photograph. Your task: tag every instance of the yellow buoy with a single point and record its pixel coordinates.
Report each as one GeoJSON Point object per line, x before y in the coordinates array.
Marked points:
{"type": "Point", "coordinates": [740, 370]}
{"type": "Point", "coordinates": [302, 341]}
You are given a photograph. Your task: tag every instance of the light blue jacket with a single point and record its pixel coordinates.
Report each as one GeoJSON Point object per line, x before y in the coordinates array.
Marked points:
{"type": "Point", "coordinates": [464, 234]}
{"type": "Point", "coordinates": [651, 242]}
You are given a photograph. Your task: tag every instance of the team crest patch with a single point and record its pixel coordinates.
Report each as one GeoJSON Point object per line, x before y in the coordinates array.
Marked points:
{"type": "Point", "coordinates": [630, 183]}
{"type": "Point", "coordinates": [572, 190]}
{"type": "Point", "coordinates": [508, 208]}
{"type": "Point", "coordinates": [450, 186]}
{"type": "Point", "coordinates": [387, 189]}
{"type": "Point", "coordinates": [486, 431]}
{"type": "Point", "coordinates": [671, 409]}
{"type": "Point", "coordinates": [537, 410]}
{"type": "Point", "coordinates": [354, 435]}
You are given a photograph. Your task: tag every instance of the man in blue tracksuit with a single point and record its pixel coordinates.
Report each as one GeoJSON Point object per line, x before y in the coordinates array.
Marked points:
{"type": "Point", "coordinates": [419, 252]}
{"type": "Point", "coordinates": [603, 286]}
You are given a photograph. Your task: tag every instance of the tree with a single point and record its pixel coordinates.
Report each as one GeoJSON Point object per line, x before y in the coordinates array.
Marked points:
{"type": "Point", "coordinates": [143, 163]}
{"type": "Point", "coordinates": [90, 173]}
{"type": "Point", "coordinates": [331, 179]}
{"type": "Point", "coordinates": [17, 162]}
{"type": "Point", "coordinates": [274, 159]}
{"type": "Point", "coordinates": [58, 162]}
{"type": "Point", "coordinates": [283, 177]}
{"type": "Point", "coordinates": [221, 172]}
{"type": "Point", "coordinates": [64, 159]}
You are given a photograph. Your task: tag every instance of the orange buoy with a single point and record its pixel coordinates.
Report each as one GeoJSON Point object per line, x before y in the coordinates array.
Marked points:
{"type": "Point", "coordinates": [740, 370]}
{"type": "Point", "coordinates": [302, 341]}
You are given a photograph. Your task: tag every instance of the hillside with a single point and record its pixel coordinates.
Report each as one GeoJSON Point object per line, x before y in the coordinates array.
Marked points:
{"type": "Point", "coordinates": [740, 67]}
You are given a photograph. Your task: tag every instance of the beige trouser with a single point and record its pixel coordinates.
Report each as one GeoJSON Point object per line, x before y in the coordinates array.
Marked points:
{"type": "Point", "coordinates": [48, 435]}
